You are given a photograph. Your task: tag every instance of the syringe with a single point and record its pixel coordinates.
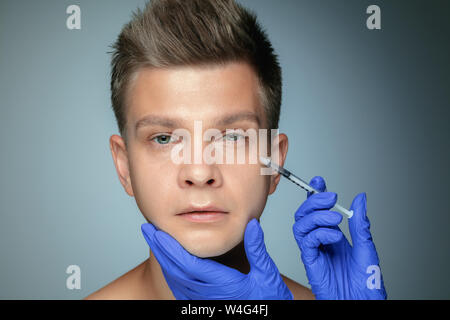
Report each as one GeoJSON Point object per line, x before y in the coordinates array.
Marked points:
{"type": "Point", "coordinates": [302, 184]}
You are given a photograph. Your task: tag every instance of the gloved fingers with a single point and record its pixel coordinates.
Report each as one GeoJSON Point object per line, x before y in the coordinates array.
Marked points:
{"type": "Point", "coordinates": [185, 287]}
{"type": "Point", "coordinates": [317, 219]}
{"type": "Point", "coordinates": [309, 245]}
{"type": "Point", "coordinates": [179, 290]}
{"type": "Point", "coordinates": [318, 201]}
{"type": "Point", "coordinates": [194, 291]}
{"type": "Point", "coordinates": [363, 251]}
{"type": "Point", "coordinates": [220, 291]}
{"type": "Point", "coordinates": [317, 183]}
{"type": "Point", "coordinates": [199, 269]}
{"type": "Point", "coordinates": [149, 231]}
{"type": "Point", "coordinates": [190, 277]}
{"type": "Point", "coordinates": [182, 289]}
{"type": "Point", "coordinates": [255, 249]}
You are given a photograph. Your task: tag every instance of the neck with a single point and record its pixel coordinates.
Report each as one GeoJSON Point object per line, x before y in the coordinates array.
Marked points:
{"type": "Point", "coordinates": [154, 278]}
{"type": "Point", "coordinates": [235, 258]}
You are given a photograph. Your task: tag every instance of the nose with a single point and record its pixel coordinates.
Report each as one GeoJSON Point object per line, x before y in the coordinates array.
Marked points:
{"type": "Point", "coordinates": [200, 175]}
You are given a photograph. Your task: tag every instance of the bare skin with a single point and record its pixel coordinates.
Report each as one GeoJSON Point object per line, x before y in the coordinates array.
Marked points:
{"type": "Point", "coordinates": [163, 188]}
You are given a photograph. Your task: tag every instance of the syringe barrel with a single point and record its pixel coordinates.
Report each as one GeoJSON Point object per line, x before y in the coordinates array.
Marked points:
{"type": "Point", "coordinates": [306, 186]}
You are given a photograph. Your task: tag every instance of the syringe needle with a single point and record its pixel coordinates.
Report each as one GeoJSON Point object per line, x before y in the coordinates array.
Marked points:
{"type": "Point", "coordinates": [301, 183]}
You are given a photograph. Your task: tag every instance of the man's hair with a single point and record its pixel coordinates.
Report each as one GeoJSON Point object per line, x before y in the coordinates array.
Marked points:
{"type": "Point", "coordinates": [171, 33]}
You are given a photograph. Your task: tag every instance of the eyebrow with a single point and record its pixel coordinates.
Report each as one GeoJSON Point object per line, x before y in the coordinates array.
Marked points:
{"type": "Point", "coordinates": [154, 120]}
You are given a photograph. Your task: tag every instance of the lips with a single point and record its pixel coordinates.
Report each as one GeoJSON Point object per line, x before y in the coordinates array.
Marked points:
{"type": "Point", "coordinates": [203, 214]}
{"type": "Point", "coordinates": [202, 210]}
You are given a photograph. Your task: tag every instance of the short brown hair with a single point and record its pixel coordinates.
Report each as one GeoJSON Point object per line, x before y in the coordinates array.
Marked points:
{"type": "Point", "coordinates": [193, 32]}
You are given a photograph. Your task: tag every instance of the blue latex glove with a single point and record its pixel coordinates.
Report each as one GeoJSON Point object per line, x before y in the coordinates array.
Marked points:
{"type": "Point", "coordinates": [191, 277]}
{"type": "Point", "coordinates": [335, 269]}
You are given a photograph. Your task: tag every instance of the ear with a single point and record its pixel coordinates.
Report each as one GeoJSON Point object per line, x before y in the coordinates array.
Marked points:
{"type": "Point", "coordinates": [120, 157]}
{"type": "Point", "coordinates": [280, 145]}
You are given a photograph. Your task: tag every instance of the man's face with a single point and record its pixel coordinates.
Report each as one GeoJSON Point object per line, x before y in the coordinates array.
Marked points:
{"type": "Point", "coordinates": [164, 189]}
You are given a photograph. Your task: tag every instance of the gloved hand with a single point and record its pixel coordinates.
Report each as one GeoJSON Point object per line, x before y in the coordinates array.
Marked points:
{"type": "Point", "coordinates": [191, 277]}
{"type": "Point", "coordinates": [334, 268]}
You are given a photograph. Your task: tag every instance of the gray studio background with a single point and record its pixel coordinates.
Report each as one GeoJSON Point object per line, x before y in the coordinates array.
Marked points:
{"type": "Point", "coordinates": [367, 110]}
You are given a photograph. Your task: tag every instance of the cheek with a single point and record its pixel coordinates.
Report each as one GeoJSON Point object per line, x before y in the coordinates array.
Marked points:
{"type": "Point", "coordinates": [153, 186]}
{"type": "Point", "coordinates": [250, 190]}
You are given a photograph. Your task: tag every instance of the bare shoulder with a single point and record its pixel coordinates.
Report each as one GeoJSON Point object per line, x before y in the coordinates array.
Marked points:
{"type": "Point", "coordinates": [300, 292]}
{"type": "Point", "coordinates": [126, 287]}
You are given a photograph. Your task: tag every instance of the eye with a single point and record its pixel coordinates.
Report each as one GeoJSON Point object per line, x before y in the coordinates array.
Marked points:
{"type": "Point", "coordinates": [164, 139]}
{"type": "Point", "coordinates": [233, 136]}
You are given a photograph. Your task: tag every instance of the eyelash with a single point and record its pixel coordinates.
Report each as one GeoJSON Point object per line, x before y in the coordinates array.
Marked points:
{"type": "Point", "coordinates": [159, 145]}
{"type": "Point", "coordinates": [164, 145]}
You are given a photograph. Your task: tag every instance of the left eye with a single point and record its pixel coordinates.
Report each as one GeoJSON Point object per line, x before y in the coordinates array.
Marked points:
{"type": "Point", "coordinates": [234, 136]}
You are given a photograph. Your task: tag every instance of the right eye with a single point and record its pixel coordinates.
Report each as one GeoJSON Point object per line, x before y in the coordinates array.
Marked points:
{"type": "Point", "coordinates": [163, 140]}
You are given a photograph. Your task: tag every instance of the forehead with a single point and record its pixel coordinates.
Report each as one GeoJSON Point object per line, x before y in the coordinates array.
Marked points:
{"type": "Point", "coordinates": [191, 93]}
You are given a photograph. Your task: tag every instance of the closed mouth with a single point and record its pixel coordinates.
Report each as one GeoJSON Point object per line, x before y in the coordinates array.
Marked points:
{"type": "Point", "coordinates": [203, 215]}
{"type": "Point", "coordinates": [202, 210]}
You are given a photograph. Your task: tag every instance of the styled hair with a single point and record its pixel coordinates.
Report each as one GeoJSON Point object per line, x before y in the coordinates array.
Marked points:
{"type": "Point", "coordinates": [171, 33]}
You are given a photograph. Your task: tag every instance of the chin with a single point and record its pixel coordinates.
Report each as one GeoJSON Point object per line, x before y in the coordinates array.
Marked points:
{"type": "Point", "coordinates": [212, 247]}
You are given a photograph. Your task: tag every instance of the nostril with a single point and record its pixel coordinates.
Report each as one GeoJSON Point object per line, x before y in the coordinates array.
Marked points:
{"type": "Point", "coordinates": [209, 182]}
